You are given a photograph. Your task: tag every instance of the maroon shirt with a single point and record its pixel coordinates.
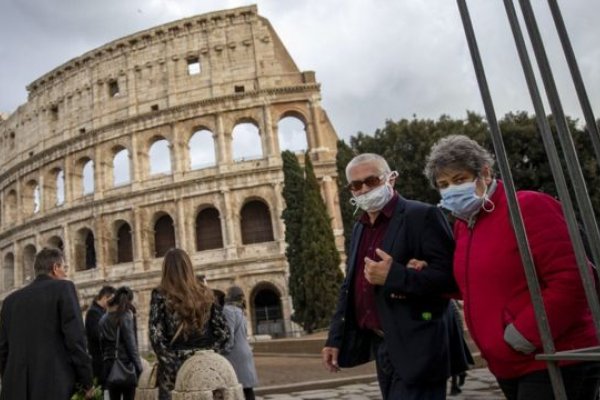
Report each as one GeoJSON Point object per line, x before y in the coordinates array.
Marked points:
{"type": "Point", "coordinates": [371, 239]}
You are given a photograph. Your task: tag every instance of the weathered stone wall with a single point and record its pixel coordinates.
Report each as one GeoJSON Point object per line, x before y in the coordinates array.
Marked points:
{"type": "Point", "coordinates": [126, 95]}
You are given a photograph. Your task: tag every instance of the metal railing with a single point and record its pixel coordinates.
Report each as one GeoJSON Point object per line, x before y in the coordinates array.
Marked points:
{"type": "Point", "coordinates": [571, 161]}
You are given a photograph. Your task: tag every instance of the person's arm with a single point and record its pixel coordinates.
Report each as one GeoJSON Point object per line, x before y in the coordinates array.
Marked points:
{"type": "Point", "coordinates": [220, 329]}
{"type": "Point", "coordinates": [3, 339]}
{"type": "Point", "coordinates": [72, 329]}
{"type": "Point", "coordinates": [156, 327]}
{"type": "Point", "coordinates": [230, 319]}
{"type": "Point", "coordinates": [437, 248]}
{"type": "Point", "coordinates": [128, 335]}
{"type": "Point", "coordinates": [554, 258]}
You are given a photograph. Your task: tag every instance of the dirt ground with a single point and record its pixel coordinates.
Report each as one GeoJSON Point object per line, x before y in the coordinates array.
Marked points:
{"type": "Point", "coordinates": [282, 370]}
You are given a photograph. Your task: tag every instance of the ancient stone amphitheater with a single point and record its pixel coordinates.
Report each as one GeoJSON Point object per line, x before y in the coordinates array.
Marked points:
{"type": "Point", "coordinates": [167, 137]}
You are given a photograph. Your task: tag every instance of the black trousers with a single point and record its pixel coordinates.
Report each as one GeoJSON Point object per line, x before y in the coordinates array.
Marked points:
{"type": "Point", "coordinates": [393, 388]}
{"type": "Point", "coordinates": [581, 383]}
{"type": "Point", "coordinates": [122, 393]}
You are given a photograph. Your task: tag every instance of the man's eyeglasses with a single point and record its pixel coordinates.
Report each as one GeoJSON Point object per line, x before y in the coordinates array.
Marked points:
{"type": "Point", "coordinates": [370, 181]}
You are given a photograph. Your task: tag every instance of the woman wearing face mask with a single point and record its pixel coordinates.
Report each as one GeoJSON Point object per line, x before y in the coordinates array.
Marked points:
{"type": "Point", "coordinates": [491, 278]}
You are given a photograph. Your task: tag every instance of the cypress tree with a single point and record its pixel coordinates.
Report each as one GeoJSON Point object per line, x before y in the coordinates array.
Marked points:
{"type": "Point", "coordinates": [321, 260]}
{"type": "Point", "coordinates": [343, 157]}
{"type": "Point", "coordinates": [293, 194]}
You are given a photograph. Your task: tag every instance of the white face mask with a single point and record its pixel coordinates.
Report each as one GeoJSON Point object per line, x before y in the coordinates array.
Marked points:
{"type": "Point", "coordinates": [374, 200]}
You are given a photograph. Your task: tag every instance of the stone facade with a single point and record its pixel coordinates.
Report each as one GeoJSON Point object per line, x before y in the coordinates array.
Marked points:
{"type": "Point", "coordinates": [209, 73]}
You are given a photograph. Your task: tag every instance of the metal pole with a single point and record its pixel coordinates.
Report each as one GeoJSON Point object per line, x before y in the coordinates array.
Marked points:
{"type": "Point", "coordinates": [555, 165]}
{"type": "Point", "coordinates": [515, 213]}
{"type": "Point", "coordinates": [584, 100]}
{"type": "Point", "coordinates": [566, 141]}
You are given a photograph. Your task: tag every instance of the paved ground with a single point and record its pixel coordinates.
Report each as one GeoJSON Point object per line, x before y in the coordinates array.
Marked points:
{"type": "Point", "coordinates": [480, 385]}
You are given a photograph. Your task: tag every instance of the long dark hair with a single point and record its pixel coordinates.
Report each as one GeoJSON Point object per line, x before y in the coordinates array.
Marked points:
{"type": "Point", "coordinates": [122, 299]}
{"type": "Point", "coordinates": [191, 300]}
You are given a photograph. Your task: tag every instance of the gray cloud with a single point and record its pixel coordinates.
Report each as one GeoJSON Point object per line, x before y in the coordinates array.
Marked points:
{"type": "Point", "coordinates": [375, 59]}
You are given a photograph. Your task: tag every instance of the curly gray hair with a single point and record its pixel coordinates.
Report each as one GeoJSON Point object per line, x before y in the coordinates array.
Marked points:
{"type": "Point", "coordinates": [456, 152]}
{"type": "Point", "coordinates": [376, 159]}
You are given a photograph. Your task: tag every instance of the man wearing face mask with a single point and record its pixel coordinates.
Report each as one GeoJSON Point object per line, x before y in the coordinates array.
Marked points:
{"type": "Point", "coordinates": [489, 273]}
{"type": "Point", "coordinates": [387, 310]}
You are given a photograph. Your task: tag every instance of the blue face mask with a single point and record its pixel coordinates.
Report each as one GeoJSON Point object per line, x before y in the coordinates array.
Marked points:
{"type": "Point", "coordinates": [462, 200]}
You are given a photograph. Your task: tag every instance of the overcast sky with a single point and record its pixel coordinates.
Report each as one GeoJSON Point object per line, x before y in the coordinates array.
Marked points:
{"type": "Point", "coordinates": [375, 59]}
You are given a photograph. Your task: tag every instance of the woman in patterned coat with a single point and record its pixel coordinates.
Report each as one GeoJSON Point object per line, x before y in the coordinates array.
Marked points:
{"type": "Point", "coordinates": [183, 319]}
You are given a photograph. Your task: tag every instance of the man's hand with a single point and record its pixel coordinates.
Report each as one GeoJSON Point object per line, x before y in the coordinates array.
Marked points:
{"type": "Point", "coordinates": [329, 356]}
{"type": "Point", "coordinates": [376, 272]}
{"type": "Point", "coordinates": [413, 263]}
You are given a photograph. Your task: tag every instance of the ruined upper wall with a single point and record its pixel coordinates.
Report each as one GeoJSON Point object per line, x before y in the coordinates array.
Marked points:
{"type": "Point", "coordinates": [237, 52]}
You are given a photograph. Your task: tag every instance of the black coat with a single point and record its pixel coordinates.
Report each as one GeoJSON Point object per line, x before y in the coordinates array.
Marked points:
{"type": "Point", "coordinates": [42, 342]}
{"type": "Point", "coordinates": [127, 352]}
{"type": "Point", "coordinates": [92, 330]}
{"type": "Point", "coordinates": [411, 304]}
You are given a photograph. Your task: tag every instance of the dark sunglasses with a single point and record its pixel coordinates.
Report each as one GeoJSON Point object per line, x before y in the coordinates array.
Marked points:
{"type": "Point", "coordinates": [370, 181]}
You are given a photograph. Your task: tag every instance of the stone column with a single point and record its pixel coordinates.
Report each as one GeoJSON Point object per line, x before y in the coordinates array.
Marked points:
{"type": "Point", "coordinates": [229, 228]}
{"type": "Point", "coordinates": [136, 165]}
{"type": "Point", "coordinates": [138, 238]}
{"type": "Point", "coordinates": [99, 173]}
{"type": "Point", "coordinates": [19, 265]}
{"type": "Point", "coordinates": [223, 145]}
{"type": "Point", "coordinates": [330, 192]}
{"type": "Point", "coordinates": [278, 207]}
{"type": "Point", "coordinates": [182, 231]}
{"type": "Point", "coordinates": [315, 110]}
{"type": "Point", "coordinates": [68, 247]}
{"type": "Point", "coordinates": [101, 240]}
{"type": "Point", "coordinates": [269, 141]}
{"type": "Point", "coordinates": [68, 181]}
{"type": "Point", "coordinates": [177, 152]}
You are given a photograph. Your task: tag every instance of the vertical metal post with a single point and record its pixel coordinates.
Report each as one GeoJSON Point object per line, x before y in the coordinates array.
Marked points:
{"type": "Point", "coordinates": [555, 165]}
{"type": "Point", "coordinates": [515, 214]}
{"type": "Point", "coordinates": [584, 101]}
{"type": "Point", "coordinates": [566, 141]}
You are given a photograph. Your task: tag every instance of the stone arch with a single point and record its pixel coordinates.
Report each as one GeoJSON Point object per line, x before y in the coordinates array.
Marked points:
{"type": "Point", "coordinates": [32, 201]}
{"type": "Point", "coordinates": [8, 271]}
{"type": "Point", "coordinates": [291, 132]}
{"type": "Point", "coordinates": [29, 252]}
{"type": "Point", "coordinates": [164, 234]}
{"type": "Point", "coordinates": [84, 180]}
{"type": "Point", "coordinates": [209, 234]}
{"type": "Point", "coordinates": [56, 242]}
{"type": "Point", "coordinates": [121, 166]}
{"type": "Point", "coordinates": [267, 310]}
{"type": "Point", "coordinates": [122, 248]}
{"type": "Point", "coordinates": [10, 207]}
{"type": "Point", "coordinates": [246, 141]}
{"type": "Point", "coordinates": [85, 250]}
{"type": "Point", "coordinates": [255, 222]}
{"type": "Point", "coordinates": [54, 187]}
{"type": "Point", "coordinates": [201, 148]}
{"type": "Point", "coordinates": [159, 156]}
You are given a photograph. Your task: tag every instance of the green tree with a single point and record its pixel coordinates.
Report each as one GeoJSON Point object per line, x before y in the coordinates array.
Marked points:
{"type": "Point", "coordinates": [343, 157]}
{"type": "Point", "coordinates": [321, 260]}
{"type": "Point", "coordinates": [293, 194]}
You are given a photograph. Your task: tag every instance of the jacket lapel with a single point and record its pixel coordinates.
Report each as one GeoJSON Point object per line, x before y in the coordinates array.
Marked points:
{"type": "Point", "coordinates": [395, 224]}
{"type": "Point", "coordinates": [356, 234]}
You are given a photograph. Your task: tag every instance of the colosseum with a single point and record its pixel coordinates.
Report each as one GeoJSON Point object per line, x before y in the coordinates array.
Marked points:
{"type": "Point", "coordinates": [167, 137]}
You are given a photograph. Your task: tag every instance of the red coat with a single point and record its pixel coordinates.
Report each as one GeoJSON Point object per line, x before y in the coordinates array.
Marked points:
{"type": "Point", "coordinates": [491, 278]}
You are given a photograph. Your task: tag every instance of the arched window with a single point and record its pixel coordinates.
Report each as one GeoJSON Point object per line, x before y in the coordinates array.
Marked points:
{"type": "Point", "coordinates": [246, 142]}
{"type": "Point", "coordinates": [85, 250]}
{"type": "Point", "coordinates": [208, 230]}
{"type": "Point", "coordinates": [268, 315]}
{"type": "Point", "coordinates": [124, 244]}
{"type": "Point", "coordinates": [60, 187]}
{"type": "Point", "coordinates": [202, 149]}
{"type": "Point", "coordinates": [160, 157]}
{"type": "Point", "coordinates": [88, 177]}
{"type": "Point", "coordinates": [256, 223]}
{"type": "Point", "coordinates": [37, 199]}
{"type": "Point", "coordinates": [31, 198]}
{"type": "Point", "coordinates": [291, 132]}
{"type": "Point", "coordinates": [56, 242]}
{"type": "Point", "coordinates": [8, 269]}
{"type": "Point", "coordinates": [28, 259]}
{"type": "Point", "coordinates": [121, 171]}
{"type": "Point", "coordinates": [164, 235]}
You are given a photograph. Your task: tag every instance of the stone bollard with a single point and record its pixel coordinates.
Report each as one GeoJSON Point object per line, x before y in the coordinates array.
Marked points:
{"type": "Point", "coordinates": [146, 389]}
{"type": "Point", "coordinates": [207, 376]}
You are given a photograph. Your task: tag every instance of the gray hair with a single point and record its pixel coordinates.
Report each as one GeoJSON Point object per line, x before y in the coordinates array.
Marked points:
{"type": "Point", "coordinates": [456, 152]}
{"type": "Point", "coordinates": [46, 259]}
{"type": "Point", "coordinates": [375, 159]}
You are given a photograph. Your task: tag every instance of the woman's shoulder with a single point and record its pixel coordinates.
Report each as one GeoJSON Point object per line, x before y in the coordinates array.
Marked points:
{"type": "Point", "coordinates": [157, 294]}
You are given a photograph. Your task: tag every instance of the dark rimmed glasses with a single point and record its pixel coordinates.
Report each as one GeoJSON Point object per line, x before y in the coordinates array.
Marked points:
{"type": "Point", "coordinates": [370, 181]}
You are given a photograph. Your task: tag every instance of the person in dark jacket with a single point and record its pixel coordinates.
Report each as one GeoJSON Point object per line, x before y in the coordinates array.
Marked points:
{"type": "Point", "coordinates": [385, 308]}
{"type": "Point", "coordinates": [92, 329]}
{"type": "Point", "coordinates": [118, 325]}
{"type": "Point", "coordinates": [183, 319]}
{"type": "Point", "coordinates": [42, 340]}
